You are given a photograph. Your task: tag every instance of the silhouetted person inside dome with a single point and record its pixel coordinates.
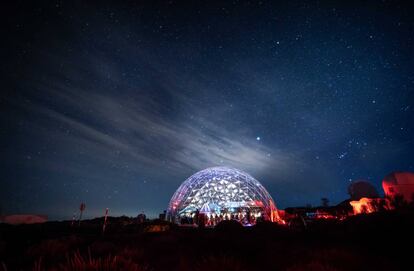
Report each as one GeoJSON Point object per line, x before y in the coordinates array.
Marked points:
{"type": "Point", "coordinates": [248, 216]}
{"type": "Point", "coordinates": [196, 216]}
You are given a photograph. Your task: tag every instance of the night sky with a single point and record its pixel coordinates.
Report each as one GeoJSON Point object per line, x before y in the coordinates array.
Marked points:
{"type": "Point", "coordinates": [116, 104]}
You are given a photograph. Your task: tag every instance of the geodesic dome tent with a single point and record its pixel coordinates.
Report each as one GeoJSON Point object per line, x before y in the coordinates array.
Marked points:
{"type": "Point", "coordinates": [221, 190]}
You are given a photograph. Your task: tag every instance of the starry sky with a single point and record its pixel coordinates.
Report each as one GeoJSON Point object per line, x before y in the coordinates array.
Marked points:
{"type": "Point", "coordinates": [116, 104]}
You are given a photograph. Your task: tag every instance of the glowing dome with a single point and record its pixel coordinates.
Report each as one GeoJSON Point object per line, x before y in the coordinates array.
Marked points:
{"type": "Point", "coordinates": [222, 191]}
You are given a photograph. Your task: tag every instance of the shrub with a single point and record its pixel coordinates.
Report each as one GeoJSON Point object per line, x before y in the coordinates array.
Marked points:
{"type": "Point", "coordinates": [77, 262]}
{"type": "Point", "coordinates": [229, 226]}
{"type": "Point", "coordinates": [54, 247]}
{"type": "Point", "coordinates": [219, 263]}
{"type": "Point", "coordinates": [312, 266]}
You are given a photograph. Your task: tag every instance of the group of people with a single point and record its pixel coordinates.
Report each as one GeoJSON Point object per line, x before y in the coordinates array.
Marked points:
{"type": "Point", "coordinates": [211, 219]}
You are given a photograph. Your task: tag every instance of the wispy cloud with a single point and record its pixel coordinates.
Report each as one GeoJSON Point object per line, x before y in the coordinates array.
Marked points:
{"type": "Point", "coordinates": [147, 139]}
{"type": "Point", "coordinates": [117, 122]}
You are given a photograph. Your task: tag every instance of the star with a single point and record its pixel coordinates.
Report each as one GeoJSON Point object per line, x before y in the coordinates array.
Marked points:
{"type": "Point", "coordinates": [342, 155]}
{"type": "Point", "coordinates": [258, 138]}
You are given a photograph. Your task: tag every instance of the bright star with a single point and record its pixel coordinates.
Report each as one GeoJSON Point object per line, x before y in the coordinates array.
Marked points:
{"type": "Point", "coordinates": [342, 155]}
{"type": "Point", "coordinates": [258, 138]}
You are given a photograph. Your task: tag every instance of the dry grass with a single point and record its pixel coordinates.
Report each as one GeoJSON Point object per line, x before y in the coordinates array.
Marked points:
{"type": "Point", "coordinates": [77, 262]}
{"type": "Point", "coordinates": [312, 266]}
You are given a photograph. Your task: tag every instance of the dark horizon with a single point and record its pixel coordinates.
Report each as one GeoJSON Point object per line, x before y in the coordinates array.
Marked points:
{"type": "Point", "coordinates": [116, 104]}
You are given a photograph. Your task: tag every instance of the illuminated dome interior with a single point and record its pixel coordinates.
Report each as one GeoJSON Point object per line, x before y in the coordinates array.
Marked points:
{"type": "Point", "coordinates": [221, 191]}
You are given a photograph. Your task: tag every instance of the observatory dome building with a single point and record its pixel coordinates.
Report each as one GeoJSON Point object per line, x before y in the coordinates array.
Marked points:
{"type": "Point", "coordinates": [221, 193]}
{"type": "Point", "coordinates": [362, 189]}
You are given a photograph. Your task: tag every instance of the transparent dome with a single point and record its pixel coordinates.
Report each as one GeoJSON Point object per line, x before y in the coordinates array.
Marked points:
{"type": "Point", "coordinates": [221, 190]}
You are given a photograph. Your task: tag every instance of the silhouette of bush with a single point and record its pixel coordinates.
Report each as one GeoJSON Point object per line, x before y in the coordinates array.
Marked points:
{"type": "Point", "coordinates": [337, 258]}
{"type": "Point", "coordinates": [103, 247]}
{"type": "Point", "coordinates": [229, 226]}
{"type": "Point", "coordinates": [135, 254]}
{"type": "Point", "coordinates": [398, 202]}
{"type": "Point", "coordinates": [77, 262]}
{"type": "Point", "coordinates": [267, 226]}
{"type": "Point", "coordinates": [54, 247]}
{"type": "Point", "coordinates": [219, 263]}
{"type": "Point", "coordinates": [312, 266]}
